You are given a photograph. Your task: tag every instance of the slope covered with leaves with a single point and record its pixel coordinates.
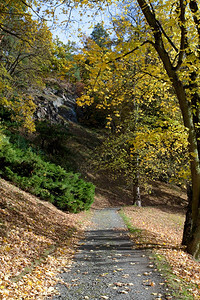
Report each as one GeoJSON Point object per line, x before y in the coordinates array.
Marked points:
{"type": "Point", "coordinates": [36, 240]}
{"type": "Point", "coordinates": [160, 228]}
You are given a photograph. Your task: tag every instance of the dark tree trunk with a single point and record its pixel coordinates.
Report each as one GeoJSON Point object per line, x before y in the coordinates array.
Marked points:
{"type": "Point", "coordinates": [136, 183]}
{"type": "Point", "coordinates": [188, 220]}
{"type": "Point", "coordinates": [191, 233]}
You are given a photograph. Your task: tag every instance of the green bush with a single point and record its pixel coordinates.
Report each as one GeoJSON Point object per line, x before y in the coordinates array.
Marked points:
{"type": "Point", "coordinates": [48, 181]}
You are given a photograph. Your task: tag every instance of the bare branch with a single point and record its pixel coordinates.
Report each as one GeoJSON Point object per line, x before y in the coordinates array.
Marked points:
{"type": "Point", "coordinates": [169, 40]}
{"type": "Point", "coordinates": [27, 69]}
{"type": "Point", "coordinates": [70, 13]}
{"type": "Point", "coordinates": [133, 50]}
{"type": "Point", "coordinates": [154, 76]}
{"type": "Point", "coordinates": [9, 31]}
{"type": "Point", "coordinates": [19, 59]}
{"type": "Point", "coordinates": [33, 10]}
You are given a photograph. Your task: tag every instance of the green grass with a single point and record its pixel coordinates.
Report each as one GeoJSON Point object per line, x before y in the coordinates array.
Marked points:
{"type": "Point", "coordinates": [127, 221]}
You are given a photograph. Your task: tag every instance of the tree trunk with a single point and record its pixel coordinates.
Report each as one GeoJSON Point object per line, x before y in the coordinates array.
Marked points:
{"type": "Point", "coordinates": [136, 195]}
{"type": "Point", "coordinates": [193, 245]}
{"type": "Point", "coordinates": [188, 220]}
{"type": "Point", "coordinates": [136, 186]}
{"type": "Point", "coordinates": [191, 233]}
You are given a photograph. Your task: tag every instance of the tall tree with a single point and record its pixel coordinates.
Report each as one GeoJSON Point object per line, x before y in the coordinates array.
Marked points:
{"type": "Point", "coordinates": [180, 56]}
{"type": "Point", "coordinates": [100, 35]}
{"type": "Point", "coordinates": [26, 45]}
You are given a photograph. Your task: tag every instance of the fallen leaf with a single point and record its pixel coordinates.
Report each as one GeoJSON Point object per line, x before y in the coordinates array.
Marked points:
{"type": "Point", "coordinates": [123, 292]}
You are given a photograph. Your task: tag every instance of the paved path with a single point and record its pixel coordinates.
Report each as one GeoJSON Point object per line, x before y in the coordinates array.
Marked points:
{"type": "Point", "coordinates": [107, 267]}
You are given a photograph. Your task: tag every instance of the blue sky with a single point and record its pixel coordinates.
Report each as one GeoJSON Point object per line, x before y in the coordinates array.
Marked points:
{"type": "Point", "coordinates": [78, 24]}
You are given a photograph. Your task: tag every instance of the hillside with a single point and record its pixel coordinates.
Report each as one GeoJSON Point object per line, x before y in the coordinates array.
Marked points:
{"type": "Point", "coordinates": [36, 241]}
{"type": "Point", "coordinates": [80, 148]}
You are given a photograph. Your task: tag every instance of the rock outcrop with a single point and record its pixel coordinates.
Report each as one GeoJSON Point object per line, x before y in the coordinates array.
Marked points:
{"type": "Point", "coordinates": [56, 102]}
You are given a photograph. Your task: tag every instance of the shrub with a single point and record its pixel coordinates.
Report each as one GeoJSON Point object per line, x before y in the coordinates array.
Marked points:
{"type": "Point", "coordinates": [46, 180]}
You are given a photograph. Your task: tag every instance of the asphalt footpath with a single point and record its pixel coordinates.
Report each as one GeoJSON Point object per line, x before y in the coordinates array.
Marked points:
{"type": "Point", "coordinates": [106, 265]}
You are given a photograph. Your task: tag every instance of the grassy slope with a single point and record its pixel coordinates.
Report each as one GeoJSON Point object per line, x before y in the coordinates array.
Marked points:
{"type": "Point", "coordinates": [80, 146]}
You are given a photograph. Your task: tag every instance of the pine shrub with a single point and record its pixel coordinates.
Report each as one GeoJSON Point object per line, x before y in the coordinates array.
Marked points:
{"type": "Point", "coordinates": [46, 180]}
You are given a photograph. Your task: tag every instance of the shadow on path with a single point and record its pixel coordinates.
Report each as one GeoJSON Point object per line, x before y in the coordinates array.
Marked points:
{"type": "Point", "coordinates": [107, 267]}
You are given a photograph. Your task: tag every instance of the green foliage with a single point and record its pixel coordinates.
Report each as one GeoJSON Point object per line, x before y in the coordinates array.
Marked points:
{"type": "Point", "coordinates": [147, 143]}
{"type": "Point", "coordinates": [62, 61]}
{"type": "Point", "coordinates": [48, 181]}
{"type": "Point", "coordinates": [3, 139]}
{"type": "Point", "coordinates": [100, 35]}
